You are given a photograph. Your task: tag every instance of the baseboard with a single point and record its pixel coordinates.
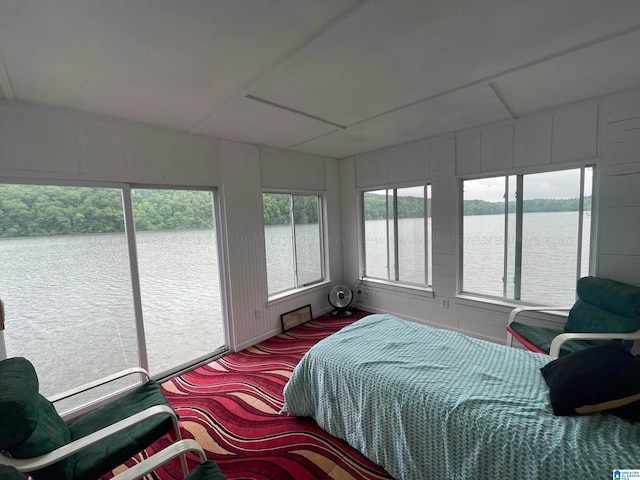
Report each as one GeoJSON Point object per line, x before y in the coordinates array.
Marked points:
{"type": "Point", "coordinates": [258, 339]}
{"type": "Point", "coordinates": [274, 332]}
{"type": "Point", "coordinates": [479, 336]}
{"type": "Point", "coordinates": [368, 308]}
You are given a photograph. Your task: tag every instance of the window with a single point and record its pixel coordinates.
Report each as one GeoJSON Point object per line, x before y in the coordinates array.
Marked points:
{"type": "Point", "coordinates": [177, 249]}
{"type": "Point", "coordinates": [66, 283]}
{"type": "Point", "coordinates": [293, 241]}
{"type": "Point", "coordinates": [78, 307]}
{"type": "Point", "coordinates": [527, 237]}
{"type": "Point", "coordinates": [397, 232]}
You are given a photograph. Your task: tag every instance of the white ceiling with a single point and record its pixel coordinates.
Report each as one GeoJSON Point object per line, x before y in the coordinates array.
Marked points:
{"type": "Point", "coordinates": [330, 77]}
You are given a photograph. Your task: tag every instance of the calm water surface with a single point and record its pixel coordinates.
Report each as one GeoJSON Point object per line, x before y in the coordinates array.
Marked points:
{"type": "Point", "coordinates": [69, 301]}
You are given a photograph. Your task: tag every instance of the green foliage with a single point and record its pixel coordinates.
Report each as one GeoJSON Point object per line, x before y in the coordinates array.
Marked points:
{"type": "Point", "coordinates": [172, 209]}
{"type": "Point", "coordinates": [277, 209]}
{"type": "Point", "coordinates": [480, 207]}
{"type": "Point", "coordinates": [30, 210]}
{"type": "Point", "coordinates": [375, 207]}
{"type": "Point", "coordinates": [305, 209]}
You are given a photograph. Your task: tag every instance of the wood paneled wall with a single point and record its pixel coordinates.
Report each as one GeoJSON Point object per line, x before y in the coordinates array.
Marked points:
{"type": "Point", "coordinates": [43, 144]}
{"type": "Point", "coordinates": [605, 131]}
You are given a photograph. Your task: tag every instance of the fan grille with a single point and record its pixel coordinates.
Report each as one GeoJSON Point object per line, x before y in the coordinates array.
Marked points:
{"type": "Point", "coordinates": [340, 296]}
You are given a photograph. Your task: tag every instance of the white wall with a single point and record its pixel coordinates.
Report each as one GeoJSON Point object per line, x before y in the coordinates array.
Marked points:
{"type": "Point", "coordinates": [40, 144]}
{"type": "Point", "coordinates": [605, 130]}
{"type": "Point", "coordinates": [619, 247]}
{"type": "Point", "coordinates": [246, 172]}
{"type": "Point", "coordinates": [43, 143]}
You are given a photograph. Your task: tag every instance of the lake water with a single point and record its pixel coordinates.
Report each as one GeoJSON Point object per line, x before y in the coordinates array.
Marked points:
{"type": "Point", "coordinates": [549, 254]}
{"type": "Point", "coordinates": [69, 302]}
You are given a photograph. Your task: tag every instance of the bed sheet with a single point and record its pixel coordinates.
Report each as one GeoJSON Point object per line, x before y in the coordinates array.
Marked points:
{"type": "Point", "coordinates": [428, 403]}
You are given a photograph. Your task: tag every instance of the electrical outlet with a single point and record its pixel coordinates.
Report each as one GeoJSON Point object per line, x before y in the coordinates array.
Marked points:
{"type": "Point", "coordinates": [258, 314]}
{"type": "Point", "coordinates": [444, 302]}
{"type": "Point", "coordinates": [360, 291]}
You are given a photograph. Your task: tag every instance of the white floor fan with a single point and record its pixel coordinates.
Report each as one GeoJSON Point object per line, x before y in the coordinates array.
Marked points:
{"type": "Point", "coordinates": [340, 297]}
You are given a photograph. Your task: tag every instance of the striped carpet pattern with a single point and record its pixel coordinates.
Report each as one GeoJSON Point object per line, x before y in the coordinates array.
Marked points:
{"type": "Point", "coordinates": [231, 407]}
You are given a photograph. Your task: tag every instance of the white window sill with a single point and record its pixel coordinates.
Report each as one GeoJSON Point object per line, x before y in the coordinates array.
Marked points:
{"type": "Point", "coordinates": [499, 304]}
{"type": "Point", "coordinates": [399, 287]}
{"type": "Point", "coordinates": [295, 292]}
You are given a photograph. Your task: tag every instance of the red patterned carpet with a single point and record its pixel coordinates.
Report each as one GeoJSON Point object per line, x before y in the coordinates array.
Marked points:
{"type": "Point", "coordinates": [231, 406]}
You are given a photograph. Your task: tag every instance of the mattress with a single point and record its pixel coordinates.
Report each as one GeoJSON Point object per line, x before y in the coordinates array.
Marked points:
{"type": "Point", "coordinates": [428, 403]}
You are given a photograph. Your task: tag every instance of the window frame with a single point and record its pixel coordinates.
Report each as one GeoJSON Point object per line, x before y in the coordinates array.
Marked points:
{"type": "Point", "coordinates": [272, 296]}
{"type": "Point", "coordinates": [126, 190]}
{"type": "Point", "coordinates": [216, 212]}
{"type": "Point", "coordinates": [428, 233]}
{"type": "Point", "coordinates": [519, 176]}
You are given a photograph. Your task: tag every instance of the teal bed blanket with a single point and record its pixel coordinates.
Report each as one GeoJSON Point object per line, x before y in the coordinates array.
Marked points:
{"type": "Point", "coordinates": [426, 403]}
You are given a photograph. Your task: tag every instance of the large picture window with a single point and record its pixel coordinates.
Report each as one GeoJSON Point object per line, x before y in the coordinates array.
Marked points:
{"type": "Point", "coordinates": [87, 295]}
{"type": "Point", "coordinates": [527, 237]}
{"type": "Point", "coordinates": [293, 241]}
{"type": "Point", "coordinates": [397, 232]}
{"type": "Point", "coordinates": [66, 283]}
{"type": "Point", "coordinates": [177, 252]}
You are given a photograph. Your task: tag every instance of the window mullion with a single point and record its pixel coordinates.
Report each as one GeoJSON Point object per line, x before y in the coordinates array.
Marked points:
{"type": "Point", "coordinates": [293, 241]}
{"type": "Point", "coordinates": [386, 214]}
{"type": "Point", "coordinates": [427, 236]}
{"type": "Point", "coordinates": [519, 224]}
{"type": "Point", "coordinates": [135, 276]}
{"type": "Point", "coordinates": [396, 257]}
{"type": "Point", "coordinates": [580, 225]}
{"type": "Point", "coordinates": [505, 242]}
{"type": "Point", "coordinates": [323, 273]}
{"type": "Point", "coordinates": [3, 346]}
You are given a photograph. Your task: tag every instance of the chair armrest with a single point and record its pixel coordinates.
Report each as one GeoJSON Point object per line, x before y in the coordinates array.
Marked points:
{"type": "Point", "coordinates": [517, 311]}
{"type": "Point", "coordinates": [97, 383]}
{"type": "Point", "coordinates": [557, 342]}
{"type": "Point", "coordinates": [36, 463]}
{"type": "Point", "coordinates": [158, 459]}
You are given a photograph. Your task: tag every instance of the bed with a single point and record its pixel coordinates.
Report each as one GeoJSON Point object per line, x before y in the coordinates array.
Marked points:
{"type": "Point", "coordinates": [428, 403]}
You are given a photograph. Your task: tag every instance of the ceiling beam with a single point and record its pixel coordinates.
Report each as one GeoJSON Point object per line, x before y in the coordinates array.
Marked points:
{"type": "Point", "coordinates": [293, 110]}
{"type": "Point", "coordinates": [500, 97]}
{"type": "Point", "coordinates": [290, 57]}
{"type": "Point", "coordinates": [488, 81]}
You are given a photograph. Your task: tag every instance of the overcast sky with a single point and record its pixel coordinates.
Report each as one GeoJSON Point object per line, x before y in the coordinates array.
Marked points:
{"type": "Point", "coordinates": [560, 184]}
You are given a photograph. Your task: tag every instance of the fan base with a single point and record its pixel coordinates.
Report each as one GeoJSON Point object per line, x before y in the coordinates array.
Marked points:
{"type": "Point", "coordinates": [342, 313]}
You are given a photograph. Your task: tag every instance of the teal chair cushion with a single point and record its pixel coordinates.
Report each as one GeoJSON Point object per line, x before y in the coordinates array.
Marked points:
{"type": "Point", "coordinates": [96, 460]}
{"type": "Point", "coordinates": [10, 473]}
{"type": "Point", "coordinates": [604, 305]}
{"type": "Point", "coordinates": [206, 471]}
{"type": "Point", "coordinates": [617, 297]}
{"type": "Point", "coordinates": [542, 337]}
{"type": "Point", "coordinates": [31, 419]}
{"type": "Point", "coordinates": [18, 389]}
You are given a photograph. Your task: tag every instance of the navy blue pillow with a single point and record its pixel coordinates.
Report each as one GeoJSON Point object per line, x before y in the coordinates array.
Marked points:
{"type": "Point", "coordinates": [604, 377]}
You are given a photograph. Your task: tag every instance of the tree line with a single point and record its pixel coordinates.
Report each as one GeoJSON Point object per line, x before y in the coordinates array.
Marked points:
{"type": "Point", "coordinates": [277, 208]}
{"type": "Point", "coordinates": [36, 210]}
{"type": "Point", "coordinates": [480, 207]}
{"type": "Point", "coordinates": [375, 206]}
